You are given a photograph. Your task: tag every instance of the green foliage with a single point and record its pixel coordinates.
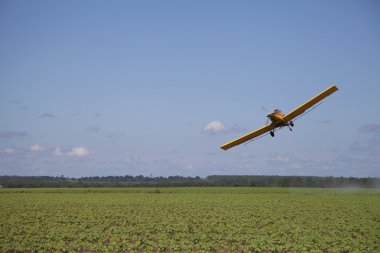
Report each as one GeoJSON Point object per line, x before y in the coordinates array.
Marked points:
{"type": "Point", "coordinates": [189, 220]}
{"type": "Point", "coordinates": [178, 181]}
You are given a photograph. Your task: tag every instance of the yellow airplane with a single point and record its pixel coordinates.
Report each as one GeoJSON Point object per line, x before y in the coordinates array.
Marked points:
{"type": "Point", "coordinates": [279, 119]}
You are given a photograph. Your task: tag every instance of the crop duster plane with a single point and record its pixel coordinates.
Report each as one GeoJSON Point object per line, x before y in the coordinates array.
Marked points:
{"type": "Point", "coordinates": [279, 119]}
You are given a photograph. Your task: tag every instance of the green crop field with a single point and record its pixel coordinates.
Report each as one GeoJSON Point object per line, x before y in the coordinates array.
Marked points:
{"type": "Point", "coordinates": [189, 220]}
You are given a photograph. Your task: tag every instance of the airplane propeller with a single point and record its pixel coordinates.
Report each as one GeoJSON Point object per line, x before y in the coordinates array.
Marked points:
{"type": "Point", "coordinates": [265, 109]}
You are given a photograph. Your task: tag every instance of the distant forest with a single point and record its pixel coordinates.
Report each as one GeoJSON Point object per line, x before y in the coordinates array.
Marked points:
{"type": "Point", "coordinates": [179, 181]}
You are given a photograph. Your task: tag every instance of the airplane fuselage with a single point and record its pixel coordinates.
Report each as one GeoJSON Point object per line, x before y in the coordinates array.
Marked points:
{"type": "Point", "coordinates": [277, 117]}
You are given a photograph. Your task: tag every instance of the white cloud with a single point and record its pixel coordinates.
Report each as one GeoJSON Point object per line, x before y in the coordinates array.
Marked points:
{"type": "Point", "coordinates": [213, 127]}
{"type": "Point", "coordinates": [36, 148]}
{"type": "Point", "coordinates": [7, 151]}
{"type": "Point", "coordinates": [58, 152]}
{"type": "Point", "coordinates": [75, 152]}
{"type": "Point", "coordinates": [79, 152]}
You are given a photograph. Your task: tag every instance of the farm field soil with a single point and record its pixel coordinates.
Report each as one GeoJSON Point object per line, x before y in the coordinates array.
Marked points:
{"type": "Point", "coordinates": [189, 220]}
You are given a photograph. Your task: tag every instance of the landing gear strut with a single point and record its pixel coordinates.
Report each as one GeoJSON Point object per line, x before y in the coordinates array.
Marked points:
{"type": "Point", "coordinates": [291, 124]}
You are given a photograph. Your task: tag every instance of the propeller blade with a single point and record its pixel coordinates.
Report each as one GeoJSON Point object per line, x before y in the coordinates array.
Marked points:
{"type": "Point", "coordinates": [265, 109]}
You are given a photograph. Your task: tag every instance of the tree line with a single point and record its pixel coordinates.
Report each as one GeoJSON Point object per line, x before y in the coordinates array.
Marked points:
{"type": "Point", "coordinates": [180, 181]}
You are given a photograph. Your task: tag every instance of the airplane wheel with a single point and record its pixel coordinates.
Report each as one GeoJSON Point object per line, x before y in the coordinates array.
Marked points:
{"type": "Point", "coordinates": [291, 123]}
{"type": "Point", "coordinates": [272, 133]}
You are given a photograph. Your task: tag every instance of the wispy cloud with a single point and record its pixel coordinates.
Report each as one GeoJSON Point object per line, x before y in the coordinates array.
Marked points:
{"type": "Point", "coordinates": [370, 128]}
{"type": "Point", "coordinates": [92, 129]}
{"type": "Point", "coordinates": [369, 146]}
{"type": "Point", "coordinates": [280, 157]}
{"type": "Point", "coordinates": [115, 137]}
{"type": "Point", "coordinates": [16, 101]}
{"type": "Point", "coordinates": [372, 144]}
{"type": "Point", "coordinates": [12, 134]}
{"type": "Point", "coordinates": [7, 151]}
{"type": "Point", "coordinates": [47, 115]}
{"type": "Point", "coordinates": [236, 129]}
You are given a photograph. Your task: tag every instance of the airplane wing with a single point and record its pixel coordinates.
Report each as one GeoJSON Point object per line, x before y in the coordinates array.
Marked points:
{"type": "Point", "coordinates": [301, 109]}
{"type": "Point", "coordinates": [248, 136]}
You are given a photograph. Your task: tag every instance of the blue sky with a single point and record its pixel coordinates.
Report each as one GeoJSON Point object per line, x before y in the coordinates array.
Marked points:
{"type": "Point", "coordinates": [129, 87]}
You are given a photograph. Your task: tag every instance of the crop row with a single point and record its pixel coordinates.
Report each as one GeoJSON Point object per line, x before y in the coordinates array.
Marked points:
{"type": "Point", "coordinates": [187, 220]}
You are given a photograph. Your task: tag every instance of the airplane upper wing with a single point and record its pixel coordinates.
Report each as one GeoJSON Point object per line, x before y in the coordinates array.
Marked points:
{"type": "Point", "coordinates": [248, 136]}
{"type": "Point", "coordinates": [299, 110]}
